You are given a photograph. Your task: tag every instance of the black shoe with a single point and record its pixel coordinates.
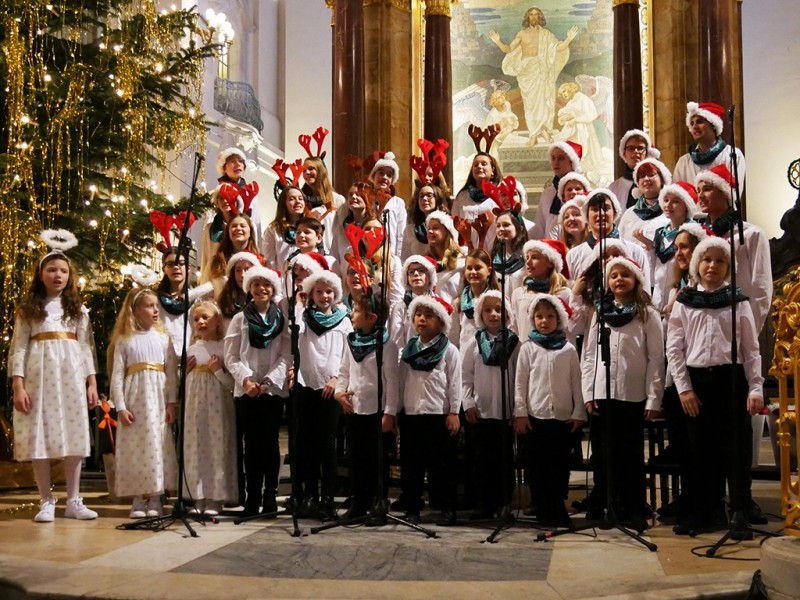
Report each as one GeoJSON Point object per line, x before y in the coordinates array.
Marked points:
{"type": "Point", "coordinates": [481, 515]}
{"type": "Point", "coordinates": [327, 508]}
{"type": "Point", "coordinates": [355, 511]}
{"type": "Point", "coordinates": [270, 505]}
{"type": "Point", "coordinates": [376, 520]}
{"type": "Point", "coordinates": [447, 518]}
{"type": "Point", "coordinates": [412, 516]}
{"type": "Point", "coordinates": [560, 516]}
{"type": "Point", "coordinates": [638, 523]}
{"type": "Point", "coordinates": [595, 513]}
{"type": "Point", "coordinates": [398, 505]}
{"type": "Point", "coordinates": [251, 508]}
{"type": "Point", "coordinates": [308, 509]}
{"type": "Point", "coordinates": [754, 514]}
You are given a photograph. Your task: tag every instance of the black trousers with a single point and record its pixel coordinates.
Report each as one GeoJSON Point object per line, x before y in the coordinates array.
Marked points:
{"type": "Point", "coordinates": [261, 422]}
{"type": "Point", "coordinates": [720, 438]}
{"type": "Point", "coordinates": [625, 449]}
{"type": "Point", "coordinates": [492, 444]}
{"type": "Point", "coordinates": [316, 442]}
{"type": "Point", "coordinates": [426, 445]}
{"type": "Point", "coordinates": [362, 433]}
{"type": "Point", "coordinates": [548, 444]}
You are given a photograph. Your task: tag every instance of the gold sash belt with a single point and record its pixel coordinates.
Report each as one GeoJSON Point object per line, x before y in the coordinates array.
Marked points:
{"type": "Point", "coordinates": [202, 369]}
{"type": "Point", "coordinates": [54, 335]}
{"type": "Point", "coordinates": [143, 366]}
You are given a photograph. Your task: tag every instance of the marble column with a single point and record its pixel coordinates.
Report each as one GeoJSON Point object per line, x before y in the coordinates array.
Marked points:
{"type": "Point", "coordinates": [348, 88]}
{"type": "Point", "coordinates": [438, 96]}
{"type": "Point", "coordinates": [628, 99]}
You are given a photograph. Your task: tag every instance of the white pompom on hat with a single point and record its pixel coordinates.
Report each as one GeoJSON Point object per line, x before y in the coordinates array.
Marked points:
{"type": "Point", "coordinates": [253, 259]}
{"type": "Point", "coordinates": [562, 310]}
{"type": "Point", "coordinates": [438, 305]}
{"type": "Point", "coordinates": [629, 264]}
{"type": "Point", "coordinates": [573, 151]}
{"type": "Point", "coordinates": [573, 176]}
{"type": "Point", "coordinates": [223, 157]}
{"type": "Point", "coordinates": [608, 244]}
{"type": "Point", "coordinates": [711, 241]}
{"type": "Point", "coordinates": [388, 161]}
{"type": "Point", "coordinates": [271, 276]}
{"type": "Point", "coordinates": [446, 221]}
{"type": "Point", "coordinates": [479, 301]}
{"type": "Point", "coordinates": [577, 202]}
{"type": "Point", "coordinates": [428, 263]}
{"type": "Point", "coordinates": [666, 174]}
{"type": "Point", "coordinates": [328, 277]}
{"type": "Point", "coordinates": [696, 230]}
{"type": "Point", "coordinates": [683, 190]}
{"type": "Point", "coordinates": [710, 111]}
{"type": "Point", "coordinates": [596, 192]}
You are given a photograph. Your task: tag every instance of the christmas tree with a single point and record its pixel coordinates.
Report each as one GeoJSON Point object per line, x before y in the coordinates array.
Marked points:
{"type": "Point", "coordinates": [99, 99]}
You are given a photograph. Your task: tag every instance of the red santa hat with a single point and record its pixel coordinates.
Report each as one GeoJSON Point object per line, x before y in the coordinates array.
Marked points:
{"type": "Point", "coordinates": [597, 192]}
{"type": "Point", "coordinates": [572, 150]}
{"type": "Point", "coordinates": [271, 276]}
{"type": "Point", "coordinates": [554, 250]}
{"type": "Point", "coordinates": [328, 277]}
{"type": "Point", "coordinates": [710, 241]}
{"type": "Point", "coordinates": [710, 111]}
{"type": "Point", "coordinates": [696, 230]}
{"type": "Point", "coordinates": [563, 312]}
{"type": "Point", "coordinates": [663, 170]}
{"type": "Point", "coordinates": [573, 176]}
{"type": "Point", "coordinates": [312, 262]}
{"type": "Point", "coordinates": [683, 190]}
{"type": "Point", "coordinates": [479, 324]}
{"type": "Point", "coordinates": [629, 264]}
{"type": "Point", "coordinates": [250, 257]}
{"type": "Point", "coordinates": [446, 221]}
{"type": "Point", "coordinates": [719, 177]}
{"type": "Point", "coordinates": [437, 304]}
{"type": "Point", "coordinates": [387, 160]}
{"type": "Point", "coordinates": [427, 262]}
{"type": "Point", "coordinates": [607, 245]}
{"type": "Point", "coordinates": [223, 157]}
{"type": "Point", "coordinates": [651, 152]}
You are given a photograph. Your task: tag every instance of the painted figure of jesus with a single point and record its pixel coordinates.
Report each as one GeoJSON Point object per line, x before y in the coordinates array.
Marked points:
{"type": "Point", "coordinates": [535, 57]}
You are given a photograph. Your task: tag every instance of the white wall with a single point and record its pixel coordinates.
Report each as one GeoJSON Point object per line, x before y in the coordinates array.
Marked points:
{"type": "Point", "coordinates": [771, 47]}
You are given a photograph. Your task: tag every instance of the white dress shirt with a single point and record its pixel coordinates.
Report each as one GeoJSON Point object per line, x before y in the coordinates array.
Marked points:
{"type": "Point", "coordinates": [481, 383]}
{"type": "Point", "coordinates": [361, 378]}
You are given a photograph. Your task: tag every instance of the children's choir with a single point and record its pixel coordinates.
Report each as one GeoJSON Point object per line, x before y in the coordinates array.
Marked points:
{"type": "Point", "coordinates": [481, 324]}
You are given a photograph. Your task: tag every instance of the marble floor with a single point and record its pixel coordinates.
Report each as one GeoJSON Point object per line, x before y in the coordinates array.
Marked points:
{"type": "Point", "coordinates": [260, 559]}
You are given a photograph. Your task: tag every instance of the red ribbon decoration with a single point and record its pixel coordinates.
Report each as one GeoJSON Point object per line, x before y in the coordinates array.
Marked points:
{"type": "Point", "coordinates": [107, 422]}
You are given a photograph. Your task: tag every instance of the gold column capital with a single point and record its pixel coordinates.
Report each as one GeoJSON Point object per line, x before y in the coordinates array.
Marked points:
{"type": "Point", "coordinates": [617, 3]}
{"type": "Point", "coordinates": [439, 7]}
{"type": "Point", "coordinates": [404, 5]}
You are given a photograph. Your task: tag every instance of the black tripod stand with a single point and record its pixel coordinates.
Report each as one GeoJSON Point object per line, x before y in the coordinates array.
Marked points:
{"type": "Point", "coordinates": [506, 517]}
{"type": "Point", "coordinates": [293, 503]}
{"type": "Point", "coordinates": [179, 510]}
{"type": "Point", "coordinates": [610, 519]}
{"type": "Point", "coordinates": [735, 530]}
{"type": "Point", "coordinates": [380, 513]}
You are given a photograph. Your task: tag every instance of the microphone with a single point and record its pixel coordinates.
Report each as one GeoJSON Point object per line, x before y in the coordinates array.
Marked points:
{"type": "Point", "coordinates": [199, 157]}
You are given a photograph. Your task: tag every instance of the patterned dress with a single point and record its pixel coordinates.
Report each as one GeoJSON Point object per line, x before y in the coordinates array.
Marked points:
{"type": "Point", "coordinates": [210, 428]}
{"type": "Point", "coordinates": [54, 358]}
{"type": "Point", "coordinates": [144, 381]}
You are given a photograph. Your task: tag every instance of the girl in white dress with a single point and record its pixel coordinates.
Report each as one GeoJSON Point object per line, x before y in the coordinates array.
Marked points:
{"type": "Point", "coordinates": [143, 389]}
{"type": "Point", "coordinates": [443, 247]}
{"type": "Point", "coordinates": [52, 367]}
{"type": "Point", "coordinates": [209, 425]}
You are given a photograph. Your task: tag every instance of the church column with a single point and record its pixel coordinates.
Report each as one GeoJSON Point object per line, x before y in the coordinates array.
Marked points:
{"type": "Point", "coordinates": [720, 57]}
{"type": "Point", "coordinates": [628, 99]}
{"type": "Point", "coordinates": [438, 96]}
{"type": "Point", "coordinates": [348, 88]}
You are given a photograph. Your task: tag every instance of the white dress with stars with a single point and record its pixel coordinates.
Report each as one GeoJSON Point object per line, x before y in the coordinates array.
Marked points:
{"type": "Point", "coordinates": [54, 358]}
{"type": "Point", "coordinates": [145, 453]}
{"type": "Point", "coordinates": [209, 438]}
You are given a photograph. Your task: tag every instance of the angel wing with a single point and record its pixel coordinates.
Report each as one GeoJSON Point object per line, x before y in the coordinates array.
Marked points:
{"type": "Point", "coordinates": [471, 105]}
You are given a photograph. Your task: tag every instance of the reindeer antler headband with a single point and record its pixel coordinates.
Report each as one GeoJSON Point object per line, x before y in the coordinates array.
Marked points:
{"type": "Point", "coordinates": [477, 134]}
{"type": "Point", "coordinates": [436, 161]}
{"type": "Point", "coordinates": [318, 136]}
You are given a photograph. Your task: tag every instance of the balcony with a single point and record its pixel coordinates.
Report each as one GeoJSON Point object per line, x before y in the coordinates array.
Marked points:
{"type": "Point", "coordinates": [237, 100]}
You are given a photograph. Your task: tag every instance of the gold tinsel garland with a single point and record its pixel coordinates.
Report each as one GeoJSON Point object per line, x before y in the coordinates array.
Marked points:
{"type": "Point", "coordinates": [136, 41]}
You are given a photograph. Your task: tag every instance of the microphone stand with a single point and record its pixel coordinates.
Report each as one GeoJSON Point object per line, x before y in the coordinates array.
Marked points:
{"type": "Point", "coordinates": [610, 520]}
{"type": "Point", "coordinates": [179, 510]}
{"type": "Point", "coordinates": [293, 504]}
{"type": "Point", "coordinates": [737, 224]}
{"type": "Point", "coordinates": [380, 515]}
{"type": "Point", "coordinates": [506, 517]}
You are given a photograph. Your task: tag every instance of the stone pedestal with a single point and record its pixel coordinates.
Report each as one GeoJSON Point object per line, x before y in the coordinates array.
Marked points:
{"type": "Point", "coordinates": [780, 567]}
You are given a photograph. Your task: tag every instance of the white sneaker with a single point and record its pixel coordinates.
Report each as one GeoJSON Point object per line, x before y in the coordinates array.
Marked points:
{"type": "Point", "coordinates": [212, 508]}
{"type": "Point", "coordinates": [154, 506]}
{"type": "Point", "coordinates": [47, 511]}
{"type": "Point", "coordinates": [76, 510]}
{"type": "Point", "coordinates": [138, 508]}
{"type": "Point", "coordinates": [199, 507]}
